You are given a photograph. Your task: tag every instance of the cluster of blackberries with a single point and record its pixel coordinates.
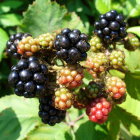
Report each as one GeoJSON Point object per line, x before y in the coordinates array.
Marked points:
{"type": "Point", "coordinates": [13, 42]}
{"type": "Point", "coordinates": [48, 113]}
{"type": "Point", "coordinates": [111, 27]}
{"type": "Point", "coordinates": [71, 45]}
{"type": "Point", "coordinates": [29, 78]}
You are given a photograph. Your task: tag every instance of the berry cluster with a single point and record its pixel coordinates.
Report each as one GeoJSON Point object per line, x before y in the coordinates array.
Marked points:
{"type": "Point", "coordinates": [96, 44]}
{"type": "Point", "coordinates": [48, 113]}
{"type": "Point", "coordinates": [28, 46]}
{"type": "Point", "coordinates": [55, 75]}
{"type": "Point", "coordinates": [117, 59]}
{"type": "Point", "coordinates": [13, 42]}
{"type": "Point", "coordinates": [115, 87]}
{"type": "Point", "coordinates": [70, 76]}
{"type": "Point", "coordinates": [98, 110]}
{"type": "Point", "coordinates": [71, 45]}
{"type": "Point", "coordinates": [110, 27]}
{"type": "Point", "coordinates": [29, 78]}
{"type": "Point", "coordinates": [63, 99]}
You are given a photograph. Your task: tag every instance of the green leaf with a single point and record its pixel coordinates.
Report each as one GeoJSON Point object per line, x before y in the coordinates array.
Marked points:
{"type": "Point", "coordinates": [103, 6]}
{"type": "Point", "coordinates": [45, 132]}
{"type": "Point", "coordinates": [8, 20]}
{"type": "Point", "coordinates": [133, 86]}
{"type": "Point", "coordinates": [3, 39]}
{"type": "Point", "coordinates": [132, 59]}
{"type": "Point", "coordinates": [9, 4]}
{"type": "Point", "coordinates": [130, 122]}
{"type": "Point", "coordinates": [113, 132]}
{"type": "Point", "coordinates": [117, 73]}
{"type": "Point", "coordinates": [45, 16]}
{"type": "Point", "coordinates": [18, 117]}
{"type": "Point", "coordinates": [135, 30]}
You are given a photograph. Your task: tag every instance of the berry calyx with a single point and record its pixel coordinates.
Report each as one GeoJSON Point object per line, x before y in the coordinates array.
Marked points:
{"type": "Point", "coordinates": [98, 110]}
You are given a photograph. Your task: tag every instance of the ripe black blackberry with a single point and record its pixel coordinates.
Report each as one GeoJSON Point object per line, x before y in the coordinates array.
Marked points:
{"type": "Point", "coordinates": [13, 42]}
{"type": "Point", "coordinates": [71, 45]}
{"type": "Point", "coordinates": [29, 78]}
{"type": "Point", "coordinates": [48, 114]}
{"type": "Point", "coordinates": [110, 27]}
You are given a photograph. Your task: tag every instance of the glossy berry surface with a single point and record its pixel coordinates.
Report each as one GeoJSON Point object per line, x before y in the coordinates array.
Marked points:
{"type": "Point", "coordinates": [71, 45]}
{"type": "Point", "coordinates": [70, 77]}
{"type": "Point", "coordinates": [115, 87]}
{"type": "Point", "coordinates": [13, 42]}
{"type": "Point", "coordinates": [98, 110]}
{"type": "Point", "coordinates": [28, 78]}
{"type": "Point", "coordinates": [48, 114]}
{"type": "Point", "coordinates": [63, 99]}
{"type": "Point", "coordinates": [110, 27]}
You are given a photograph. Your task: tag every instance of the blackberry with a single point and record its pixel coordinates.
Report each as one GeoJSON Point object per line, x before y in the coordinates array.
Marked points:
{"type": "Point", "coordinates": [131, 42]}
{"type": "Point", "coordinates": [46, 40]}
{"type": "Point", "coordinates": [98, 110]}
{"type": "Point", "coordinates": [71, 45]}
{"type": "Point", "coordinates": [94, 90]}
{"type": "Point", "coordinates": [63, 99]}
{"type": "Point", "coordinates": [48, 114]}
{"type": "Point", "coordinates": [28, 78]}
{"type": "Point", "coordinates": [97, 62]}
{"type": "Point", "coordinates": [115, 87]}
{"type": "Point", "coordinates": [13, 42]}
{"type": "Point", "coordinates": [80, 99]}
{"type": "Point", "coordinates": [28, 46]}
{"type": "Point", "coordinates": [117, 59]}
{"type": "Point", "coordinates": [110, 27]}
{"type": "Point", "coordinates": [71, 77]}
{"type": "Point", "coordinates": [96, 44]}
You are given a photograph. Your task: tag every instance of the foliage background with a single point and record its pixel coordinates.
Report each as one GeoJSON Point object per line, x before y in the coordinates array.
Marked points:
{"type": "Point", "coordinates": [19, 117]}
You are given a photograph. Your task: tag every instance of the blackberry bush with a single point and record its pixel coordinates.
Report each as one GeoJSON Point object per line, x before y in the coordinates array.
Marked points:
{"type": "Point", "coordinates": [98, 110]}
{"type": "Point", "coordinates": [110, 27]}
{"type": "Point", "coordinates": [13, 42]}
{"type": "Point", "coordinates": [48, 114]}
{"type": "Point", "coordinates": [70, 76]}
{"type": "Point", "coordinates": [63, 99]}
{"type": "Point", "coordinates": [71, 45]}
{"type": "Point", "coordinates": [29, 78]}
